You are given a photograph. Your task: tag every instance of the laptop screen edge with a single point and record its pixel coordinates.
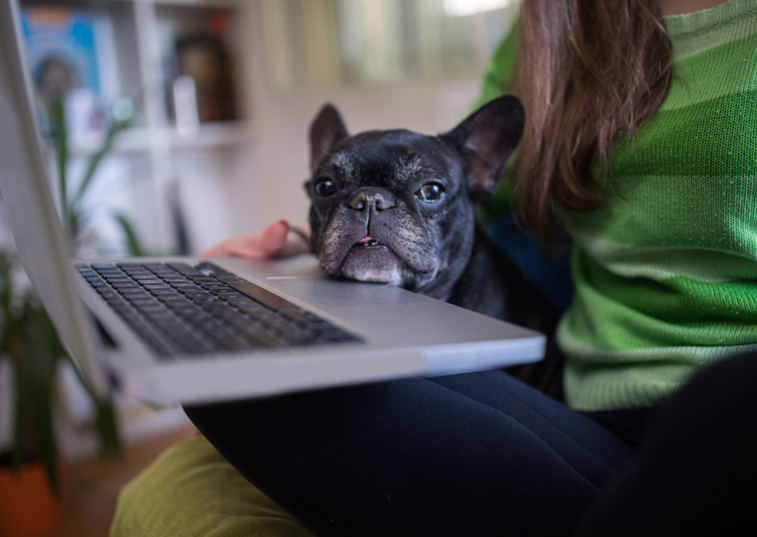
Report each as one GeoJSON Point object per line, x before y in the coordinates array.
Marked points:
{"type": "Point", "coordinates": [28, 203]}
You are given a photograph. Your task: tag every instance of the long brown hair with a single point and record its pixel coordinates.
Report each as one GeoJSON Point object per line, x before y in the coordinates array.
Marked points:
{"type": "Point", "coordinates": [588, 72]}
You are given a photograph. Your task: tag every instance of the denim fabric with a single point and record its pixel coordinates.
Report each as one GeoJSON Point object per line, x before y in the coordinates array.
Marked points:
{"type": "Point", "coordinates": [549, 273]}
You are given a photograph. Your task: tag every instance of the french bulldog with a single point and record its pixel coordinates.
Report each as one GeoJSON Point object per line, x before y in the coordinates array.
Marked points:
{"type": "Point", "coordinates": [398, 207]}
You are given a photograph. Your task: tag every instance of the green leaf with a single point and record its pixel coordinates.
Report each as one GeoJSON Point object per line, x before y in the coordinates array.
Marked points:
{"type": "Point", "coordinates": [17, 341]}
{"type": "Point", "coordinates": [6, 288]}
{"type": "Point", "coordinates": [40, 360]}
{"type": "Point", "coordinates": [60, 136]}
{"type": "Point", "coordinates": [95, 160]}
{"type": "Point", "coordinates": [107, 428]}
{"type": "Point", "coordinates": [20, 419]}
{"type": "Point", "coordinates": [106, 422]}
{"type": "Point", "coordinates": [74, 222]}
{"type": "Point", "coordinates": [70, 208]}
{"type": "Point", "coordinates": [36, 351]}
{"type": "Point", "coordinates": [133, 244]}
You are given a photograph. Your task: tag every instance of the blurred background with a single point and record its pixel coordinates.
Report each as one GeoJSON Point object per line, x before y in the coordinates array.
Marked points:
{"type": "Point", "coordinates": [170, 125]}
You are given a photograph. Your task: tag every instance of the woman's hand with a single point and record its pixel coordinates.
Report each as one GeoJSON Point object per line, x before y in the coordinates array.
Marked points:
{"type": "Point", "coordinates": [275, 241]}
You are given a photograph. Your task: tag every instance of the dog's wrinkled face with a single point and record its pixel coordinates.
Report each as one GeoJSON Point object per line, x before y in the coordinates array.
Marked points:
{"type": "Point", "coordinates": [389, 207]}
{"type": "Point", "coordinates": [398, 207]}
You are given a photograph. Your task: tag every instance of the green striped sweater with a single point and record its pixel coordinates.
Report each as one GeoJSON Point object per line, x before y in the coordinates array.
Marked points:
{"type": "Point", "coordinates": [666, 273]}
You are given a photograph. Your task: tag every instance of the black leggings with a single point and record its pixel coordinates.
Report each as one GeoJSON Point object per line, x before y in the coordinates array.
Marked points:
{"type": "Point", "coordinates": [696, 467]}
{"type": "Point", "coordinates": [479, 454]}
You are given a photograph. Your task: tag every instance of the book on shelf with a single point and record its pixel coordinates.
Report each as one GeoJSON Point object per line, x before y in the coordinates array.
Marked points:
{"type": "Point", "coordinates": [71, 52]}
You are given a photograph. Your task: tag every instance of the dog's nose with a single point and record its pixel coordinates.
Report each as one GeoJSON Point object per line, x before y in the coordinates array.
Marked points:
{"type": "Point", "coordinates": [379, 199]}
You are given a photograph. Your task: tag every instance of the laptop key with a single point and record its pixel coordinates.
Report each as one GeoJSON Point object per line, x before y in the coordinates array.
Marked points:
{"type": "Point", "coordinates": [172, 297]}
{"type": "Point", "coordinates": [178, 266]}
{"type": "Point", "coordinates": [143, 304]}
{"type": "Point", "coordinates": [147, 280]}
{"type": "Point", "coordinates": [216, 309]}
{"type": "Point", "coordinates": [132, 291]}
{"type": "Point", "coordinates": [243, 302]}
{"type": "Point", "coordinates": [215, 290]}
{"type": "Point", "coordinates": [264, 296]}
{"type": "Point", "coordinates": [164, 291]}
{"type": "Point", "coordinates": [206, 265]}
{"type": "Point", "coordinates": [125, 285]}
{"type": "Point", "coordinates": [229, 296]}
{"type": "Point", "coordinates": [187, 289]}
{"type": "Point", "coordinates": [263, 338]}
{"type": "Point", "coordinates": [318, 326]}
{"type": "Point", "coordinates": [197, 294]}
{"type": "Point", "coordinates": [227, 342]}
{"type": "Point", "coordinates": [336, 335]}
{"type": "Point", "coordinates": [231, 279]}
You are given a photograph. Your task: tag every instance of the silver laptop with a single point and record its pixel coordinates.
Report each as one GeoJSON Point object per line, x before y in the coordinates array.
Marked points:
{"type": "Point", "coordinates": [185, 330]}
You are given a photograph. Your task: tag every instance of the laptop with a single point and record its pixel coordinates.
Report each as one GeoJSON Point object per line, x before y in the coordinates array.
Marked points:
{"type": "Point", "coordinates": [186, 330]}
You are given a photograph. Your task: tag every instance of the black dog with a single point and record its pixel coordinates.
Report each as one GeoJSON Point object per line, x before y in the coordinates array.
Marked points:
{"type": "Point", "coordinates": [398, 207]}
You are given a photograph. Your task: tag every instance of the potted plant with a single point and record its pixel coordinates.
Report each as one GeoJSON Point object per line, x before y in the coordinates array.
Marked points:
{"type": "Point", "coordinates": [74, 217]}
{"type": "Point", "coordinates": [31, 489]}
{"type": "Point", "coordinates": [30, 473]}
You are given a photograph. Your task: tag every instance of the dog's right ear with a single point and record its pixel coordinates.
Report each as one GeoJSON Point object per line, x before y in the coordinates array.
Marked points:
{"type": "Point", "coordinates": [485, 139]}
{"type": "Point", "coordinates": [326, 130]}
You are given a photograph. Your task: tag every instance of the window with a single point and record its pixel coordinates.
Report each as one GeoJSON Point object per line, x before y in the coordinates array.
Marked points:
{"type": "Point", "coordinates": [321, 43]}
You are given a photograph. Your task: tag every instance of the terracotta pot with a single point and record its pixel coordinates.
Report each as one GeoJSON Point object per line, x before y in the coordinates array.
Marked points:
{"type": "Point", "coordinates": [28, 507]}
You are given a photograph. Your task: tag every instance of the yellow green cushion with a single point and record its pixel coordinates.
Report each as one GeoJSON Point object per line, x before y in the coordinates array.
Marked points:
{"type": "Point", "coordinates": [189, 491]}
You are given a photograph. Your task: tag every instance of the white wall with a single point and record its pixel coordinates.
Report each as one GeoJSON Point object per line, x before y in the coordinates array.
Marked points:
{"type": "Point", "coordinates": [272, 188]}
{"type": "Point", "coordinates": [281, 126]}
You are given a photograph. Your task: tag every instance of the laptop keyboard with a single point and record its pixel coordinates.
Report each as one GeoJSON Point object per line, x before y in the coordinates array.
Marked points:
{"type": "Point", "coordinates": [193, 310]}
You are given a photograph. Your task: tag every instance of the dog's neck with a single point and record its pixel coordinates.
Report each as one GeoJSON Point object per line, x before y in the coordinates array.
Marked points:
{"type": "Point", "coordinates": [481, 287]}
{"type": "Point", "coordinates": [475, 282]}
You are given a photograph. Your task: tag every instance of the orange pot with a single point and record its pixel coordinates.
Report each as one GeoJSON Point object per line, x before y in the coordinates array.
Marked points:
{"type": "Point", "coordinates": [28, 508]}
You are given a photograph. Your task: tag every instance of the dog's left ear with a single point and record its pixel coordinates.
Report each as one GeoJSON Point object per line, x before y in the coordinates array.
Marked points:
{"type": "Point", "coordinates": [326, 130]}
{"type": "Point", "coordinates": [486, 139]}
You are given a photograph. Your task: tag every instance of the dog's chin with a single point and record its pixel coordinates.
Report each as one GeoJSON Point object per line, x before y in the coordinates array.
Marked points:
{"type": "Point", "coordinates": [376, 264]}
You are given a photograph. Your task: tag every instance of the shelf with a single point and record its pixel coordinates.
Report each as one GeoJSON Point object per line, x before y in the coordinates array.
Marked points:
{"type": "Point", "coordinates": [198, 3]}
{"type": "Point", "coordinates": [99, 3]}
{"type": "Point", "coordinates": [210, 135]}
{"type": "Point", "coordinates": [141, 139]}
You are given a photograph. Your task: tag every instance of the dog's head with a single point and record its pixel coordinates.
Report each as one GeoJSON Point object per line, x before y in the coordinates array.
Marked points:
{"type": "Point", "coordinates": [398, 207]}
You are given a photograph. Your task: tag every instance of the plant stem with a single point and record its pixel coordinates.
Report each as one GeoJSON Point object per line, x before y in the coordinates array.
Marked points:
{"type": "Point", "coordinates": [61, 152]}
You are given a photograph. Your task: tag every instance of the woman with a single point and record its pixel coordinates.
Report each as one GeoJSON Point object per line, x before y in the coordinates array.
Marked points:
{"type": "Point", "coordinates": [640, 140]}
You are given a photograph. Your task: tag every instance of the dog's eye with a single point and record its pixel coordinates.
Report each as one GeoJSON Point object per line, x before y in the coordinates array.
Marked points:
{"type": "Point", "coordinates": [430, 192]}
{"type": "Point", "coordinates": [324, 188]}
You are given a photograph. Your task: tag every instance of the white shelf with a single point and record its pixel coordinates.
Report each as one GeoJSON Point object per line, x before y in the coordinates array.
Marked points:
{"type": "Point", "coordinates": [140, 139]}
{"type": "Point", "coordinates": [210, 135]}
{"type": "Point", "coordinates": [195, 3]}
